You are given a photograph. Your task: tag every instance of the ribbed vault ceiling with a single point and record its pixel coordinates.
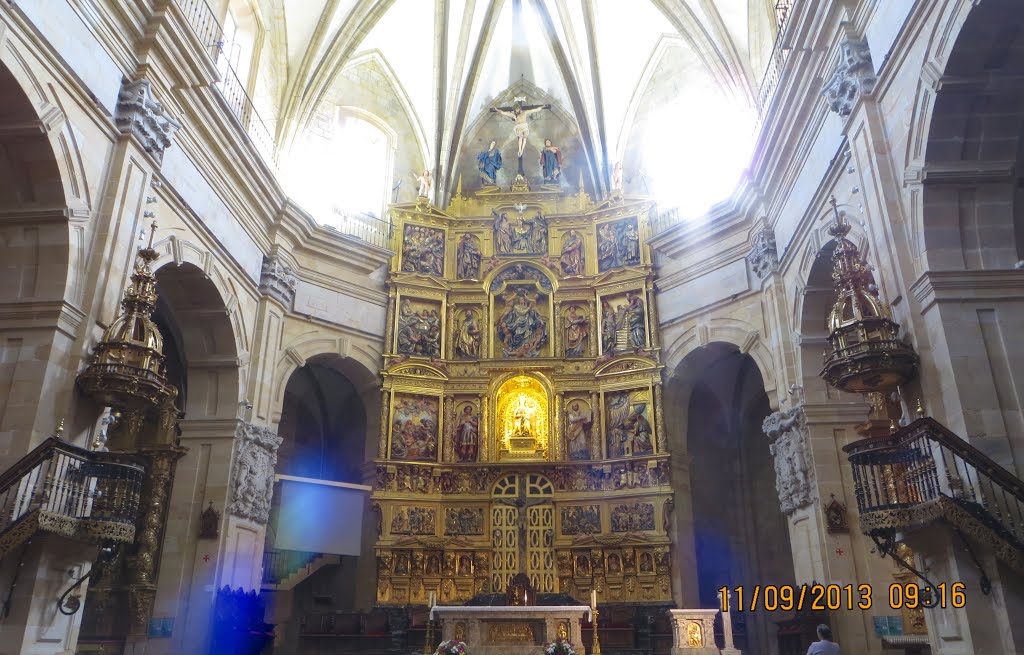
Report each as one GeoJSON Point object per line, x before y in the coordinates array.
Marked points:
{"type": "Point", "coordinates": [450, 58]}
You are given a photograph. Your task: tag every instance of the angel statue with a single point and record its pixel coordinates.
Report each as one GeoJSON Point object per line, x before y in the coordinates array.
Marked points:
{"type": "Point", "coordinates": [425, 182]}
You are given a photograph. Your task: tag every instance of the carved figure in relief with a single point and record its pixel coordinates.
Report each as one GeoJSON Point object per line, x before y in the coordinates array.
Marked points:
{"type": "Point", "coordinates": [618, 244]}
{"type": "Point", "coordinates": [646, 563]}
{"type": "Point", "coordinates": [635, 321]}
{"type": "Point", "coordinates": [633, 517]}
{"type": "Point", "coordinates": [467, 435]}
{"type": "Point", "coordinates": [419, 333]}
{"type": "Point", "coordinates": [577, 331]}
{"type": "Point", "coordinates": [629, 430]}
{"type": "Point", "coordinates": [694, 636]}
{"type": "Point", "coordinates": [423, 250]}
{"type": "Point", "coordinates": [539, 234]}
{"type": "Point", "coordinates": [572, 259]}
{"type": "Point", "coordinates": [489, 162]}
{"type": "Point", "coordinates": [617, 176]}
{"type": "Point", "coordinates": [614, 564]}
{"type": "Point", "coordinates": [414, 429]}
{"type": "Point", "coordinates": [551, 162]}
{"type": "Point", "coordinates": [609, 328]}
{"type": "Point", "coordinates": [502, 233]}
{"type": "Point", "coordinates": [521, 328]}
{"type": "Point", "coordinates": [468, 257]}
{"type": "Point", "coordinates": [467, 341]}
{"type": "Point", "coordinates": [577, 432]}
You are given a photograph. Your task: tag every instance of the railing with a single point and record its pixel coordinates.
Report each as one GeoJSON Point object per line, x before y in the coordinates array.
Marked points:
{"type": "Point", "coordinates": [279, 565]}
{"type": "Point", "coordinates": [238, 101]}
{"type": "Point", "coordinates": [75, 489]}
{"type": "Point", "coordinates": [662, 220]}
{"type": "Point", "coordinates": [366, 227]}
{"type": "Point", "coordinates": [777, 59]}
{"type": "Point", "coordinates": [210, 33]}
{"type": "Point", "coordinates": [924, 463]}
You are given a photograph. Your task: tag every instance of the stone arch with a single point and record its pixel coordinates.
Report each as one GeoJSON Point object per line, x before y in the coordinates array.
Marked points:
{"type": "Point", "coordinates": [729, 526]}
{"type": "Point", "coordinates": [194, 306]}
{"type": "Point", "coordinates": [42, 234]}
{"type": "Point", "coordinates": [968, 146]}
{"type": "Point", "coordinates": [740, 334]}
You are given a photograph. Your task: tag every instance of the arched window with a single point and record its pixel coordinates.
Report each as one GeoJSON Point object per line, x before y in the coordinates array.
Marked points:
{"type": "Point", "coordinates": [340, 168]}
{"type": "Point", "coordinates": [240, 43]}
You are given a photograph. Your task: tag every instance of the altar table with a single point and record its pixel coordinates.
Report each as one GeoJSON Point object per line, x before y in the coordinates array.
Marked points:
{"type": "Point", "coordinates": [502, 630]}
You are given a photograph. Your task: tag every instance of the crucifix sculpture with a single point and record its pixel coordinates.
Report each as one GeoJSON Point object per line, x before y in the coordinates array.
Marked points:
{"type": "Point", "coordinates": [518, 113]}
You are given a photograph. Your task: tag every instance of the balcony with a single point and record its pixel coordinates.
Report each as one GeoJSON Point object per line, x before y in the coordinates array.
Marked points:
{"type": "Point", "coordinates": [924, 474]}
{"type": "Point", "coordinates": [76, 493]}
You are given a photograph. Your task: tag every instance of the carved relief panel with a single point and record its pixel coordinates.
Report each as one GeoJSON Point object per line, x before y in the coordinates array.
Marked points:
{"type": "Point", "coordinates": [624, 322]}
{"type": "Point", "coordinates": [629, 426]}
{"type": "Point", "coordinates": [415, 426]}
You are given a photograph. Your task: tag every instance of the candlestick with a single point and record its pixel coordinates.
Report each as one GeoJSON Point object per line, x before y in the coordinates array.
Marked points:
{"type": "Point", "coordinates": [595, 648]}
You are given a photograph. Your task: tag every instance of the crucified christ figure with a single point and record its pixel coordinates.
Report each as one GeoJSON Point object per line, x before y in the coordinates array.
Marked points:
{"type": "Point", "coordinates": [518, 113]}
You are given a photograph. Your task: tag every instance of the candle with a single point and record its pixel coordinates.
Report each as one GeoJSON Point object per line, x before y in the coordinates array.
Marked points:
{"type": "Point", "coordinates": [593, 597]}
{"type": "Point", "coordinates": [431, 601]}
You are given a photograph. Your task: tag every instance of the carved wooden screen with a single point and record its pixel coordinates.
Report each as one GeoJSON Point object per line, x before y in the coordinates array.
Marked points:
{"type": "Point", "coordinates": [522, 529]}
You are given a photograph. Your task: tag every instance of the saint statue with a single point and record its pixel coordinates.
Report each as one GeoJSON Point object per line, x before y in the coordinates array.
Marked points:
{"type": "Point", "coordinates": [426, 183]}
{"type": "Point", "coordinates": [572, 259]}
{"type": "Point", "coordinates": [607, 254]}
{"type": "Point", "coordinates": [609, 328]}
{"type": "Point", "coordinates": [577, 329]}
{"type": "Point", "coordinates": [577, 432]}
{"type": "Point", "coordinates": [467, 432]}
{"type": "Point", "coordinates": [502, 233]}
{"type": "Point", "coordinates": [634, 320]}
{"type": "Point", "coordinates": [490, 163]}
{"type": "Point", "coordinates": [521, 328]}
{"type": "Point", "coordinates": [639, 431]}
{"type": "Point", "coordinates": [468, 258]}
{"type": "Point", "coordinates": [539, 236]}
{"type": "Point", "coordinates": [617, 177]}
{"type": "Point", "coordinates": [630, 245]}
{"type": "Point", "coordinates": [467, 341]}
{"type": "Point", "coordinates": [551, 162]}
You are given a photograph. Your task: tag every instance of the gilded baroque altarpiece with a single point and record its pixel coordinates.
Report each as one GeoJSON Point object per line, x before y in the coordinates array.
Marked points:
{"type": "Point", "coordinates": [522, 423]}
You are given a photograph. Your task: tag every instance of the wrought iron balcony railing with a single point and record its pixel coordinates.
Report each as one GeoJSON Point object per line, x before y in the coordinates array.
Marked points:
{"type": "Point", "coordinates": [925, 473]}
{"type": "Point", "coordinates": [61, 488]}
{"type": "Point", "coordinates": [210, 33]}
{"type": "Point", "coordinates": [777, 59]}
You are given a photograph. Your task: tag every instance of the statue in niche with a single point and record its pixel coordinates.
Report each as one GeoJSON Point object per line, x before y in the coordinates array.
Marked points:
{"type": "Point", "coordinates": [419, 333]}
{"type": "Point", "coordinates": [425, 182]}
{"type": "Point", "coordinates": [539, 236]}
{"type": "Point", "coordinates": [635, 321]}
{"type": "Point", "coordinates": [518, 113]}
{"type": "Point", "coordinates": [629, 245]}
{"type": "Point", "coordinates": [521, 329]}
{"type": "Point", "coordinates": [646, 563]}
{"type": "Point", "coordinates": [609, 328]}
{"type": "Point", "coordinates": [468, 257]}
{"type": "Point", "coordinates": [467, 340]}
{"type": "Point", "coordinates": [577, 332]}
{"type": "Point", "coordinates": [551, 162]}
{"type": "Point", "coordinates": [577, 432]}
{"type": "Point", "coordinates": [489, 162]}
{"type": "Point", "coordinates": [467, 435]}
{"type": "Point", "coordinates": [617, 177]}
{"type": "Point", "coordinates": [502, 233]}
{"type": "Point", "coordinates": [573, 255]}
{"type": "Point", "coordinates": [606, 253]}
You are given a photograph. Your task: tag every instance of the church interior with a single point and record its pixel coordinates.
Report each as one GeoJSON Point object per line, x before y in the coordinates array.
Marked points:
{"type": "Point", "coordinates": [646, 327]}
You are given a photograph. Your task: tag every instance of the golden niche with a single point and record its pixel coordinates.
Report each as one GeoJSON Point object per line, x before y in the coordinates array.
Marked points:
{"type": "Point", "coordinates": [522, 419]}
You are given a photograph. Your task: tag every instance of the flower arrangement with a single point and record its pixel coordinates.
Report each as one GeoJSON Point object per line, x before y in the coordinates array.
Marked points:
{"type": "Point", "coordinates": [451, 647]}
{"type": "Point", "coordinates": [559, 647]}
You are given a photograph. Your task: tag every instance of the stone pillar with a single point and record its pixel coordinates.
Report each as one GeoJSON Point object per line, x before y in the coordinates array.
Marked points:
{"type": "Point", "coordinates": [693, 632]}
